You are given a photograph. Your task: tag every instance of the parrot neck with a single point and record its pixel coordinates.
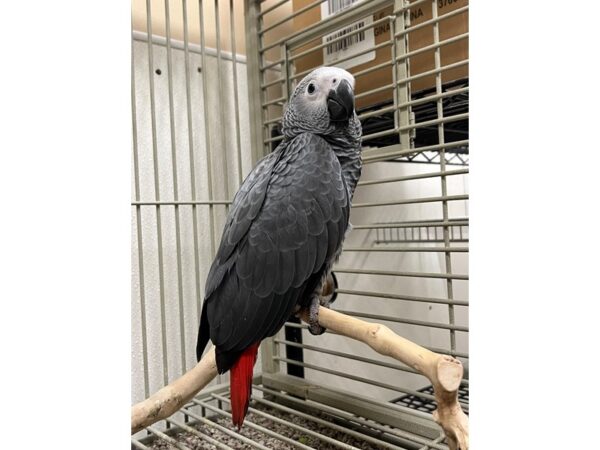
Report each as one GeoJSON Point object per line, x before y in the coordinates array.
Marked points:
{"type": "Point", "coordinates": [347, 146]}
{"type": "Point", "coordinates": [344, 140]}
{"type": "Point", "coordinates": [351, 161]}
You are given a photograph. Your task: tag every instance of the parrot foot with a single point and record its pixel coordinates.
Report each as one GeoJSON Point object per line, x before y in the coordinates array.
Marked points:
{"type": "Point", "coordinates": [313, 318]}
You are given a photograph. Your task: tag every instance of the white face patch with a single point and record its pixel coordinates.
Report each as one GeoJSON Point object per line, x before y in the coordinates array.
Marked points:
{"type": "Point", "coordinates": [321, 81]}
{"type": "Point", "coordinates": [308, 107]}
{"type": "Point", "coordinates": [325, 74]}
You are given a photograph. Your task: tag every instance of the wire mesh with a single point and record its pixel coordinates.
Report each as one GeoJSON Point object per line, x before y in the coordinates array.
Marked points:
{"type": "Point", "coordinates": [426, 404]}
{"type": "Point", "coordinates": [203, 114]}
{"type": "Point", "coordinates": [412, 111]}
{"type": "Point", "coordinates": [280, 420]}
{"type": "Point", "coordinates": [184, 169]}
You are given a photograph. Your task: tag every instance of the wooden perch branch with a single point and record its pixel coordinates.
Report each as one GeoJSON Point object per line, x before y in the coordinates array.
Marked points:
{"type": "Point", "coordinates": [171, 398]}
{"type": "Point", "coordinates": [443, 371]}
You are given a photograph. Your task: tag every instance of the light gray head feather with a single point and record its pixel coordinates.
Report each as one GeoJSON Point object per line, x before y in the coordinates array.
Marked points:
{"type": "Point", "coordinates": [306, 110]}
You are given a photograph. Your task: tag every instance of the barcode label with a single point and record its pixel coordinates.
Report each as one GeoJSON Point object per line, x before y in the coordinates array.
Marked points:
{"type": "Point", "coordinates": [343, 44]}
{"type": "Point", "coordinates": [345, 47]}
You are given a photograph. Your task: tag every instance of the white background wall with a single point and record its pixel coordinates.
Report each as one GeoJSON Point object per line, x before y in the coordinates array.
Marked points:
{"type": "Point", "coordinates": [224, 148]}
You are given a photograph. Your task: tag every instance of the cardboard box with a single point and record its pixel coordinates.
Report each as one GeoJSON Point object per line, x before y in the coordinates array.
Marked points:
{"type": "Point", "coordinates": [419, 38]}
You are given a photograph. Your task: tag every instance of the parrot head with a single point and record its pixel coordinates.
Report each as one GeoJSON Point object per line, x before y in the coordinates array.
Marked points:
{"type": "Point", "coordinates": [322, 103]}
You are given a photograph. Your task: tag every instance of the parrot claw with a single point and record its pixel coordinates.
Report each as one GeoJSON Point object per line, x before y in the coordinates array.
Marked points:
{"type": "Point", "coordinates": [313, 318]}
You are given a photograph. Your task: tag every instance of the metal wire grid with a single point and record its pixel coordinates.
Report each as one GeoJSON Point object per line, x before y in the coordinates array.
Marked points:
{"type": "Point", "coordinates": [390, 420]}
{"type": "Point", "coordinates": [441, 233]}
{"type": "Point", "coordinates": [205, 210]}
{"type": "Point", "coordinates": [292, 415]}
{"type": "Point", "coordinates": [276, 73]}
{"type": "Point", "coordinates": [275, 60]}
{"type": "Point", "coordinates": [427, 405]}
{"type": "Point", "coordinates": [417, 232]}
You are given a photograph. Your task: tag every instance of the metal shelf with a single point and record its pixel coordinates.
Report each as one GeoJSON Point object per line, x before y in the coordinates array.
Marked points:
{"type": "Point", "coordinates": [389, 233]}
{"type": "Point", "coordinates": [427, 405]}
{"type": "Point", "coordinates": [424, 111]}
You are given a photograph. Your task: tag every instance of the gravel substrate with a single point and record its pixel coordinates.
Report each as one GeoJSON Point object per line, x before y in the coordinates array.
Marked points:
{"type": "Point", "coordinates": [194, 442]}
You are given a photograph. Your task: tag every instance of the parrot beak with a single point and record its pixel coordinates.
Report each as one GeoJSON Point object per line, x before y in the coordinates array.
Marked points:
{"type": "Point", "coordinates": [340, 102]}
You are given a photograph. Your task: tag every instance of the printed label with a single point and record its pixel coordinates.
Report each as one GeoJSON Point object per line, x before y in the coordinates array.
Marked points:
{"type": "Point", "coordinates": [351, 45]}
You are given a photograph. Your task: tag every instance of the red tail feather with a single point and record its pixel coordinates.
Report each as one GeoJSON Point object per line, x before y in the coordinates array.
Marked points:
{"type": "Point", "coordinates": [240, 382]}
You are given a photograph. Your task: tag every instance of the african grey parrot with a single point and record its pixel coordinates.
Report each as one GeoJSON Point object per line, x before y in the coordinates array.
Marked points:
{"type": "Point", "coordinates": [284, 230]}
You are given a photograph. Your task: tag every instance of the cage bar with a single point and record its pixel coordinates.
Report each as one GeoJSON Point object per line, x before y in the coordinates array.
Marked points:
{"type": "Point", "coordinates": [401, 274]}
{"type": "Point", "coordinates": [157, 197]}
{"type": "Point", "coordinates": [165, 437]}
{"type": "Point", "coordinates": [188, 104]}
{"type": "Point", "coordinates": [447, 198]}
{"type": "Point", "coordinates": [225, 173]}
{"type": "Point", "coordinates": [253, 425]}
{"type": "Point", "coordinates": [175, 185]}
{"type": "Point", "coordinates": [221, 428]}
{"type": "Point", "coordinates": [140, 241]}
{"type": "Point", "coordinates": [197, 433]}
{"type": "Point", "coordinates": [327, 424]}
{"type": "Point", "coordinates": [333, 412]}
{"type": "Point", "coordinates": [207, 134]}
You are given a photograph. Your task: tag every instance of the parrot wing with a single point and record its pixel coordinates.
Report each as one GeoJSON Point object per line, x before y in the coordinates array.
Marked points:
{"type": "Point", "coordinates": [286, 223]}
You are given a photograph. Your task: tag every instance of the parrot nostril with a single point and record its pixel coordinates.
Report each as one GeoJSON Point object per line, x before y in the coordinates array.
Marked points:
{"type": "Point", "coordinates": [334, 80]}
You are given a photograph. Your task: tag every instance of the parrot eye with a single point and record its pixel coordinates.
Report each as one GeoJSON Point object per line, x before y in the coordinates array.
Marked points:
{"type": "Point", "coordinates": [311, 88]}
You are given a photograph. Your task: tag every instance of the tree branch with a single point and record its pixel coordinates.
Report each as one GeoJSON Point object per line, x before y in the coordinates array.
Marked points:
{"type": "Point", "coordinates": [172, 397]}
{"type": "Point", "coordinates": [444, 372]}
